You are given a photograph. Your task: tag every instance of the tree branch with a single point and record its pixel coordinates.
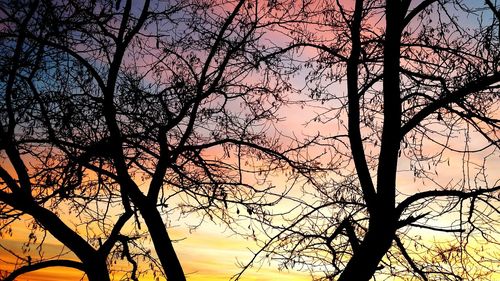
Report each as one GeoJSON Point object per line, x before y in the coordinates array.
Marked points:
{"type": "Point", "coordinates": [477, 85]}
{"type": "Point", "coordinates": [407, 19]}
{"type": "Point", "coordinates": [442, 193]}
{"type": "Point", "coordinates": [43, 264]}
{"type": "Point", "coordinates": [410, 261]}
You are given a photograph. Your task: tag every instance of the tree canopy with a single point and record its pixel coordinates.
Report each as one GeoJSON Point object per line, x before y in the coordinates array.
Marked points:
{"type": "Point", "coordinates": [118, 115]}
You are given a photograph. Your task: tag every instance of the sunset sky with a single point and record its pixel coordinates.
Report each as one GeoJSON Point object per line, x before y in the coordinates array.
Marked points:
{"type": "Point", "coordinates": [206, 254]}
{"type": "Point", "coordinates": [217, 250]}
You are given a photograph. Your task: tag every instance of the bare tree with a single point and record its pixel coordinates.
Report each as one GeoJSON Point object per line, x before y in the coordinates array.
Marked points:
{"type": "Point", "coordinates": [116, 111]}
{"type": "Point", "coordinates": [35, 178]}
{"type": "Point", "coordinates": [421, 81]}
{"type": "Point", "coordinates": [137, 110]}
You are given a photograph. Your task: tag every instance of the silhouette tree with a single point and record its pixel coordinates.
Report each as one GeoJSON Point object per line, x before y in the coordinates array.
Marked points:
{"type": "Point", "coordinates": [122, 113]}
{"type": "Point", "coordinates": [421, 81]}
{"type": "Point", "coordinates": [134, 110]}
{"type": "Point", "coordinates": [35, 181]}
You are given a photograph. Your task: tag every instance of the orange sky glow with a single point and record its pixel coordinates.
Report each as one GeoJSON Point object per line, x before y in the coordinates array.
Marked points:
{"type": "Point", "coordinates": [206, 254]}
{"type": "Point", "coordinates": [213, 252]}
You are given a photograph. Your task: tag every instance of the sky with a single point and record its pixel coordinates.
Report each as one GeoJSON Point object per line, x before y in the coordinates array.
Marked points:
{"type": "Point", "coordinates": [208, 253]}
{"type": "Point", "coordinates": [211, 252]}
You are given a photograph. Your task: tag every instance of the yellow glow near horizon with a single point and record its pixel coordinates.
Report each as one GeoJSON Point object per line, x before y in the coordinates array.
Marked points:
{"type": "Point", "coordinates": [209, 253]}
{"type": "Point", "coordinates": [205, 255]}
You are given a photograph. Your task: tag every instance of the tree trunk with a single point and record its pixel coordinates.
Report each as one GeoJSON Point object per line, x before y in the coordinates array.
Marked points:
{"type": "Point", "coordinates": [162, 243]}
{"type": "Point", "coordinates": [97, 270]}
{"type": "Point", "coordinates": [365, 260]}
{"type": "Point", "coordinates": [382, 226]}
{"type": "Point", "coordinates": [95, 265]}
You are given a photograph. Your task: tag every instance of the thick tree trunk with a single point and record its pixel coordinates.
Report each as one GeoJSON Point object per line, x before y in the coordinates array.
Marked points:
{"type": "Point", "coordinates": [97, 270]}
{"type": "Point", "coordinates": [162, 243]}
{"type": "Point", "coordinates": [363, 264]}
{"type": "Point", "coordinates": [94, 264]}
{"type": "Point", "coordinates": [381, 205]}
